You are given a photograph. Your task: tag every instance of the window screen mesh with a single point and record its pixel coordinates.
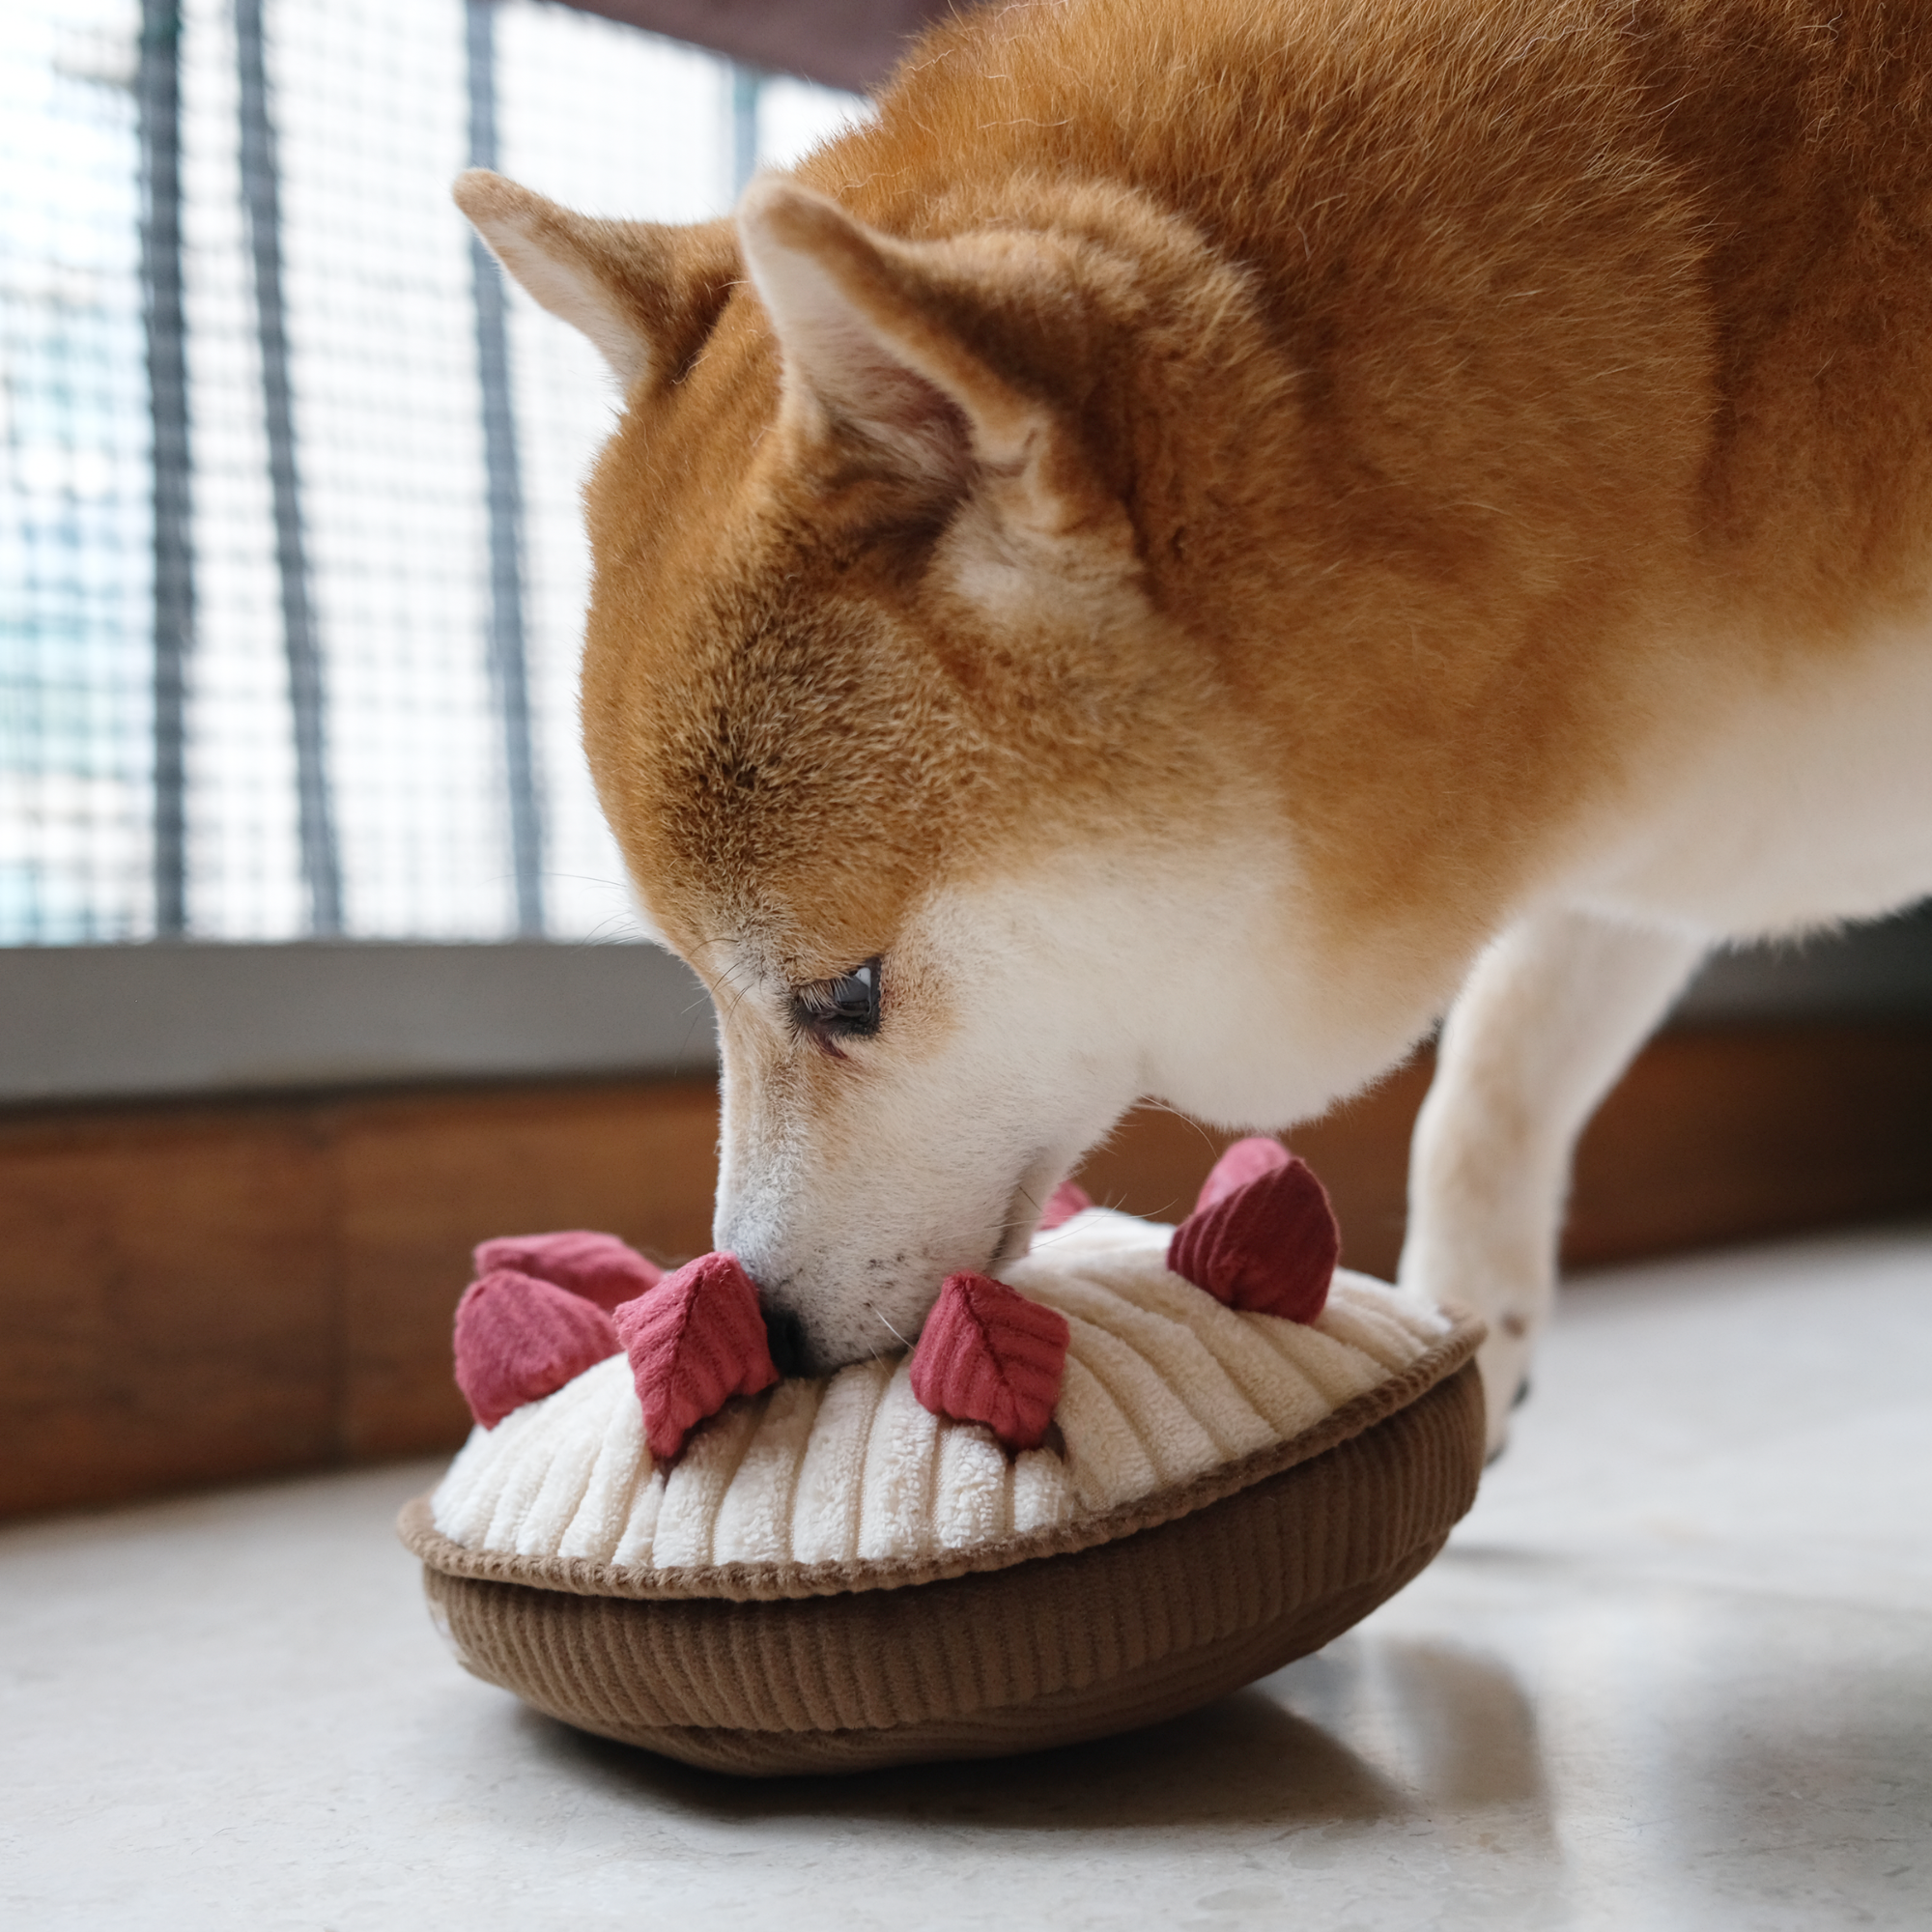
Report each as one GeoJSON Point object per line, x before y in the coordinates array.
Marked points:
{"type": "Point", "coordinates": [322, 480]}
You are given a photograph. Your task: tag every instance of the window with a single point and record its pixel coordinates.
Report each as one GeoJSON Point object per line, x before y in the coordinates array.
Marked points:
{"type": "Point", "coordinates": [290, 573]}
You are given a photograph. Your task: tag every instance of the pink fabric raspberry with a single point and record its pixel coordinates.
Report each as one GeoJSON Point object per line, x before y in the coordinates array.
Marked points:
{"type": "Point", "coordinates": [600, 1267]}
{"type": "Point", "coordinates": [695, 1341]}
{"type": "Point", "coordinates": [1241, 1162]}
{"type": "Point", "coordinates": [988, 1355]}
{"type": "Point", "coordinates": [1263, 1238]}
{"type": "Point", "coordinates": [519, 1338]}
{"type": "Point", "coordinates": [1066, 1201]}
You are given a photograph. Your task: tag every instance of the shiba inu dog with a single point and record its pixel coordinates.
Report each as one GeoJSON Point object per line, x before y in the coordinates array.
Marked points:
{"type": "Point", "coordinates": [1215, 531]}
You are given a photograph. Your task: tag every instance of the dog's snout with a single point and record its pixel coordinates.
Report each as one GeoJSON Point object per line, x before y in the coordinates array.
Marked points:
{"type": "Point", "coordinates": [784, 1336]}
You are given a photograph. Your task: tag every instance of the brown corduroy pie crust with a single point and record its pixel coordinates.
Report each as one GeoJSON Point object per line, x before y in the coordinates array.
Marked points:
{"type": "Point", "coordinates": [1076, 1633]}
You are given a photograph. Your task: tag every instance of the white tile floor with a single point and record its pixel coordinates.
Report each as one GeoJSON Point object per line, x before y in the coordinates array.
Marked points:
{"type": "Point", "coordinates": [1675, 1670]}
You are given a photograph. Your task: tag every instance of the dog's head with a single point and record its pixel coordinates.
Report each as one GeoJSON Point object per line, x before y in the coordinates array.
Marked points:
{"type": "Point", "coordinates": [903, 750]}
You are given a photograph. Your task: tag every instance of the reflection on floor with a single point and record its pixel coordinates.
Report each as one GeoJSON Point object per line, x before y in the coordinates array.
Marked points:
{"type": "Point", "coordinates": [1675, 1670]}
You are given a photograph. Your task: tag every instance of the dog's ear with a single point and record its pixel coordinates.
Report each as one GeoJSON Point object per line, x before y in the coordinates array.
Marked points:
{"type": "Point", "coordinates": [917, 350]}
{"type": "Point", "coordinates": [645, 294]}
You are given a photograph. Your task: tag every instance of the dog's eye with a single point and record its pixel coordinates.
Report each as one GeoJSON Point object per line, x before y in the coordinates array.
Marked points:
{"type": "Point", "coordinates": [843, 1008]}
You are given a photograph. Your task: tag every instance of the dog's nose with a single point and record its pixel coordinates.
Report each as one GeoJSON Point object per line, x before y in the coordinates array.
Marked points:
{"type": "Point", "coordinates": [784, 1336]}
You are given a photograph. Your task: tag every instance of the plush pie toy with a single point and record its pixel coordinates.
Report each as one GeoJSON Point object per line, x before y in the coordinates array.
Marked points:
{"type": "Point", "coordinates": [1149, 1465]}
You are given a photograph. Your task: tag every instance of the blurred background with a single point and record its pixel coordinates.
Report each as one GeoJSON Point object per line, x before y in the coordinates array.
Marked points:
{"type": "Point", "coordinates": [316, 960]}
{"type": "Point", "coordinates": [289, 526]}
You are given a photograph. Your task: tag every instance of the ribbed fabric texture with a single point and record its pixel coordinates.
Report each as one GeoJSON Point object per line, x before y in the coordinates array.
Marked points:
{"type": "Point", "coordinates": [1265, 1239]}
{"type": "Point", "coordinates": [1039, 1652]}
{"type": "Point", "coordinates": [695, 1339]}
{"type": "Point", "coordinates": [1167, 1688]}
{"type": "Point", "coordinates": [783, 1492]}
{"type": "Point", "coordinates": [989, 1355]}
{"type": "Point", "coordinates": [519, 1338]}
{"type": "Point", "coordinates": [600, 1267]}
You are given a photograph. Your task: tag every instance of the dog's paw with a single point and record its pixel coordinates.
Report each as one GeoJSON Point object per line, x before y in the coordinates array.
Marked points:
{"type": "Point", "coordinates": [1503, 1362]}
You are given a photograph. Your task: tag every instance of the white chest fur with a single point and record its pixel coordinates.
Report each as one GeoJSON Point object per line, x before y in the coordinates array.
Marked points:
{"type": "Point", "coordinates": [1767, 808]}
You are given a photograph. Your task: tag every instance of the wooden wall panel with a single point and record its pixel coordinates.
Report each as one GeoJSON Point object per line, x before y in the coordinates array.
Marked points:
{"type": "Point", "coordinates": [421, 1181]}
{"type": "Point", "coordinates": [1156, 1160]}
{"type": "Point", "coordinates": [194, 1294]}
{"type": "Point", "coordinates": [1722, 1135]}
{"type": "Point", "coordinates": [166, 1307]}
{"type": "Point", "coordinates": [1737, 1134]}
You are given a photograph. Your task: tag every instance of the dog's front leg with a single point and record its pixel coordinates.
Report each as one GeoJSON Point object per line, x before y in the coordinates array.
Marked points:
{"type": "Point", "coordinates": [1551, 1014]}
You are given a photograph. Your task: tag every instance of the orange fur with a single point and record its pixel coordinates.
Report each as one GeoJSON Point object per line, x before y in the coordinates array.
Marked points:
{"type": "Point", "coordinates": [1483, 320]}
{"type": "Point", "coordinates": [1378, 423]}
